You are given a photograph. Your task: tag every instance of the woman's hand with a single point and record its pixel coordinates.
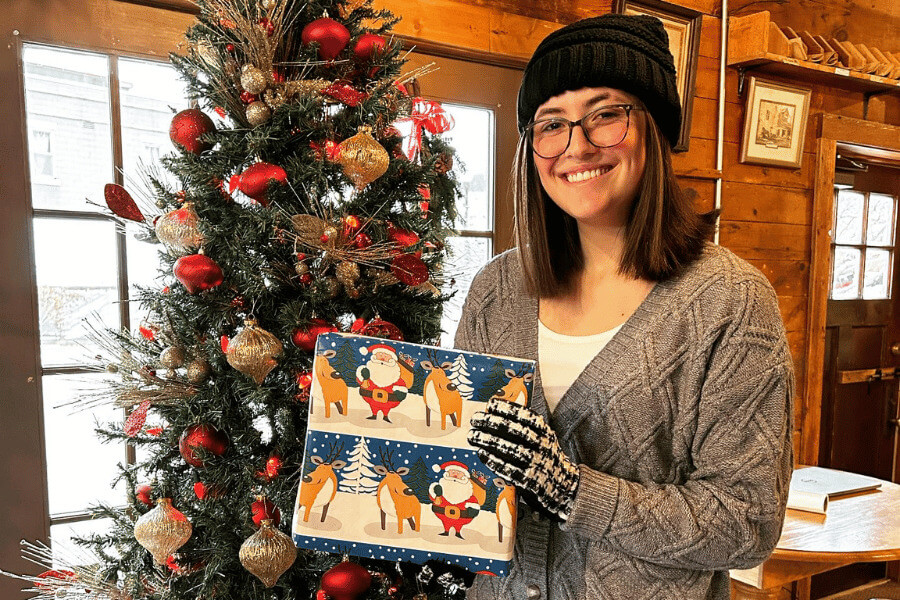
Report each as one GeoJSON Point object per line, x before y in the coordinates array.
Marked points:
{"type": "Point", "coordinates": [518, 445]}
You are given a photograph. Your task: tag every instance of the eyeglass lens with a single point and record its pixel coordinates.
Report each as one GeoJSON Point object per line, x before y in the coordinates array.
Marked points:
{"type": "Point", "coordinates": [605, 127]}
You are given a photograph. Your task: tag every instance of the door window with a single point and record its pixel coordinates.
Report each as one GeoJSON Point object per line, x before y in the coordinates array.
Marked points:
{"type": "Point", "coordinates": [863, 247]}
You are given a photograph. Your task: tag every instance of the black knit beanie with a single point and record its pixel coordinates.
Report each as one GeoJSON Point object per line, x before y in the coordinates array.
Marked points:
{"type": "Point", "coordinates": [623, 52]}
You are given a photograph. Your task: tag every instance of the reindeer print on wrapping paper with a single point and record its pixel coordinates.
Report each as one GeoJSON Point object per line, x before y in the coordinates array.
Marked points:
{"type": "Point", "coordinates": [332, 386]}
{"type": "Point", "coordinates": [440, 394]}
{"type": "Point", "coordinates": [394, 495]}
{"type": "Point", "coordinates": [514, 391]}
{"type": "Point", "coordinates": [505, 509]}
{"type": "Point", "coordinates": [317, 489]}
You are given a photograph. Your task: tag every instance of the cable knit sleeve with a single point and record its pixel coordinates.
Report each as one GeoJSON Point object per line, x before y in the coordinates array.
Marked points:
{"type": "Point", "coordinates": [729, 510]}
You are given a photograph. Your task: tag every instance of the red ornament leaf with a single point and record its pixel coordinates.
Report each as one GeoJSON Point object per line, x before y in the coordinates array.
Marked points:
{"type": "Point", "coordinates": [135, 421]}
{"type": "Point", "coordinates": [147, 333]}
{"type": "Point", "coordinates": [409, 269]}
{"type": "Point", "coordinates": [121, 203]}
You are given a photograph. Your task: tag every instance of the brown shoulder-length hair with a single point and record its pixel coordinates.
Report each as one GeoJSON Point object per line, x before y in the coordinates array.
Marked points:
{"type": "Point", "coordinates": [663, 234]}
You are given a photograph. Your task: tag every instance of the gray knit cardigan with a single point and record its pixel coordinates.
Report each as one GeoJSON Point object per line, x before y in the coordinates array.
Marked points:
{"type": "Point", "coordinates": [682, 429]}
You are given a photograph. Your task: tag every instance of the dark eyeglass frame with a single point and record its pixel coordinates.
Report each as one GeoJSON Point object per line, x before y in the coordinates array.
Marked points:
{"type": "Point", "coordinates": [529, 129]}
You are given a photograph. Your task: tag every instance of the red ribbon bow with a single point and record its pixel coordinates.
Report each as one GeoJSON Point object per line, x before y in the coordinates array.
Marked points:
{"type": "Point", "coordinates": [429, 115]}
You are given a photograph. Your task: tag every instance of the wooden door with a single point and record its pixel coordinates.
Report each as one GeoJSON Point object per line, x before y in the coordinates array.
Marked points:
{"type": "Point", "coordinates": [861, 375]}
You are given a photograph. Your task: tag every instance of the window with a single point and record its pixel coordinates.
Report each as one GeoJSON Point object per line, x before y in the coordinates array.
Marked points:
{"type": "Point", "coordinates": [85, 263]}
{"type": "Point", "coordinates": [863, 246]}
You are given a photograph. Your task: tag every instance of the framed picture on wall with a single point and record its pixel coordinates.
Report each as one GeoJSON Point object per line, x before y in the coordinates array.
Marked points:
{"type": "Point", "coordinates": [683, 27]}
{"type": "Point", "coordinates": [774, 123]}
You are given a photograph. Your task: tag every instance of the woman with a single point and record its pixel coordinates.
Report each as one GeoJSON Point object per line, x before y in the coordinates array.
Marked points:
{"type": "Point", "coordinates": [656, 453]}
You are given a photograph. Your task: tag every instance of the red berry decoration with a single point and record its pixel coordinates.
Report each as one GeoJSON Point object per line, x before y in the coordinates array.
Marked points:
{"type": "Point", "coordinates": [409, 269]}
{"type": "Point", "coordinates": [331, 36]}
{"type": "Point", "coordinates": [264, 509]}
{"type": "Point", "coordinates": [198, 273]}
{"type": "Point", "coordinates": [187, 127]}
{"type": "Point", "coordinates": [321, 595]}
{"type": "Point", "coordinates": [346, 581]}
{"type": "Point", "coordinates": [368, 46]}
{"type": "Point", "coordinates": [305, 337]}
{"type": "Point", "coordinates": [362, 241]}
{"type": "Point", "coordinates": [255, 179]}
{"type": "Point", "coordinates": [201, 436]}
{"type": "Point", "coordinates": [142, 493]}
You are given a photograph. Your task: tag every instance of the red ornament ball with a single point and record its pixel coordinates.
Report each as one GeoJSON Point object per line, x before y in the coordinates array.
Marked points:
{"type": "Point", "coordinates": [142, 493]}
{"type": "Point", "coordinates": [368, 46]}
{"type": "Point", "coordinates": [304, 380]}
{"type": "Point", "coordinates": [229, 47]}
{"type": "Point", "coordinates": [264, 509]}
{"type": "Point", "coordinates": [331, 36]}
{"type": "Point", "coordinates": [346, 581]}
{"type": "Point", "coordinates": [362, 241]}
{"type": "Point", "coordinates": [306, 279]}
{"type": "Point", "coordinates": [187, 127]}
{"type": "Point", "coordinates": [305, 337]}
{"type": "Point", "coordinates": [321, 595]}
{"type": "Point", "coordinates": [409, 269]}
{"type": "Point", "coordinates": [383, 329]}
{"type": "Point", "coordinates": [198, 273]}
{"type": "Point", "coordinates": [201, 436]}
{"type": "Point", "coordinates": [256, 178]}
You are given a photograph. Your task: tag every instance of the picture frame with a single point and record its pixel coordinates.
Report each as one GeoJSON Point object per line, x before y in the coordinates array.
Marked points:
{"type": "Point", "coordinates": [775, 119]}
{"type": "Point", "coordinates": [683, 27]}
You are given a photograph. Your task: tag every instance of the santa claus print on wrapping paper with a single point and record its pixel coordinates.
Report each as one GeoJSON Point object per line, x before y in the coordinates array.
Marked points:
{"type": "Point", "coordinates": [457, 498]}
{"type": "Point", "coordinates": [384, 380]}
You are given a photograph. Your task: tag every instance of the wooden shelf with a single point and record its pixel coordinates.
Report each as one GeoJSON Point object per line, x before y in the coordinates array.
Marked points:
{"type": "Point", "coordinates": [752, 39]}
{"type": "Point", "coordinates": [809, 72]}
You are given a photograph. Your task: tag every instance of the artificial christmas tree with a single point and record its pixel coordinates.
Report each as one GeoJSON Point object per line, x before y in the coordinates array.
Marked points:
{"type": "Point", "coordinates": [299, 211]}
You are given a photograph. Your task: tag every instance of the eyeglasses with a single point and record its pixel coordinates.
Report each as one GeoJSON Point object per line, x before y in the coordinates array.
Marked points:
{"type": "Point", "coordinates": [603, 127]}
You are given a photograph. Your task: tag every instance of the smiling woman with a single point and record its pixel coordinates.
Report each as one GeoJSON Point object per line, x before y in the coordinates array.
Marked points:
{"type": "Point", "coordinates": [663, 367]}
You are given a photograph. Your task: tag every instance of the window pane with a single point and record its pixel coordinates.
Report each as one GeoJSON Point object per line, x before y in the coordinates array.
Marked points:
{"type": "Point", "coordinates": [149, 93]}
{"type": "Point", "coordinates": [143, 271]}
{"type": "Point", "coordinates": [75, 260]}
{"type": "Point", "coordinates": [472, 136]}
{"type": "Point", "coordinates": [848, 220]}
{"type": "Point", "coordinates": [877, 277]}
{"type": "Point", "coordinates": [845, 279]}
{"type": "Point", "coordinates": [467, 256]}
{"type": "Point", "coordinates": [80, 469]}
{"type": "Point", "coordinates": [68, 119]}
{"type": "Point", "coordinates": [66, 552]}
{"type": "Point", "coordinates": [879, 230]}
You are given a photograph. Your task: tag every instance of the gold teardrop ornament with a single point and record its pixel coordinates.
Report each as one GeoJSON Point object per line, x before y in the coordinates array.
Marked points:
{"type": "Point", "coordinates": [163, 530]}
{"type": "Point", "coordinates": [268, 553]}
{"type": "Point", "coordinates": [253, 351]}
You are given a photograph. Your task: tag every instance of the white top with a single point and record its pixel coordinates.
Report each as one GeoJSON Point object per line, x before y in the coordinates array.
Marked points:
{"type": "Point", "coordinates": [562, 358]}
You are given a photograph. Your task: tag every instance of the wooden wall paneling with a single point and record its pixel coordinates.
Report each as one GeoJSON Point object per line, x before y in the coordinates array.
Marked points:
{"type": "Point", "coordinates": [765, 241]}
{"type": "Point", "coordinates": [788, 277]}
{"type": "Point", "coordinates": [765, 203]}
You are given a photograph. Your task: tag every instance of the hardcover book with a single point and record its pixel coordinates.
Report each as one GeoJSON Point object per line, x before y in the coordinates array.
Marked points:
{"type": "Point", "coordinates": [387, 470]}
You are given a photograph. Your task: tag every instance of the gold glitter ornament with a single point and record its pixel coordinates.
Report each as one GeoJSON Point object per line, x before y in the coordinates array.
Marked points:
{"type": "Point", "coordinates": [347, 273]}
{"type": "Point", "coordinates": [364, 160]}
{"type": "Point", "coordinates": [198, 370]}
{"type": "Point", "coordinates": [253, 79]}
{"type": "Point", "coordinates": [178, 229]}
{"type": "Point", "coordinates": [253, 351]}
{"type": "Point", "coordinates": [268, 4]}
{"type": "Point", "coordinates": [268, 553]}
{"type": "Point", "coordinates": [163, 530]}
{"type": "Point", "coordinates": [301, 268]}
{"type": "Point", "coordinates": [331, 287]}
{"type": "Point", "coordinates": [258, 113]}
{"type": "Point", "coordinates": [172, 357]}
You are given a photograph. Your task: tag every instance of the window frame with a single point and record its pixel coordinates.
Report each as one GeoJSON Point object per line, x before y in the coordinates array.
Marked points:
{"type": "Point", "coordinates": [863, 246]}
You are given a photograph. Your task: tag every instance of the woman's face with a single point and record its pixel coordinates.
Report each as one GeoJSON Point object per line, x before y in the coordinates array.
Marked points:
{"type": "Point", "coordinates": [595, 186]}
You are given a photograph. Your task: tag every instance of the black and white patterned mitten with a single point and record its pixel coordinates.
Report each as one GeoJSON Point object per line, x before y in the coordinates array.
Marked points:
{"type": "Point", "coordinates": [518, 445]}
